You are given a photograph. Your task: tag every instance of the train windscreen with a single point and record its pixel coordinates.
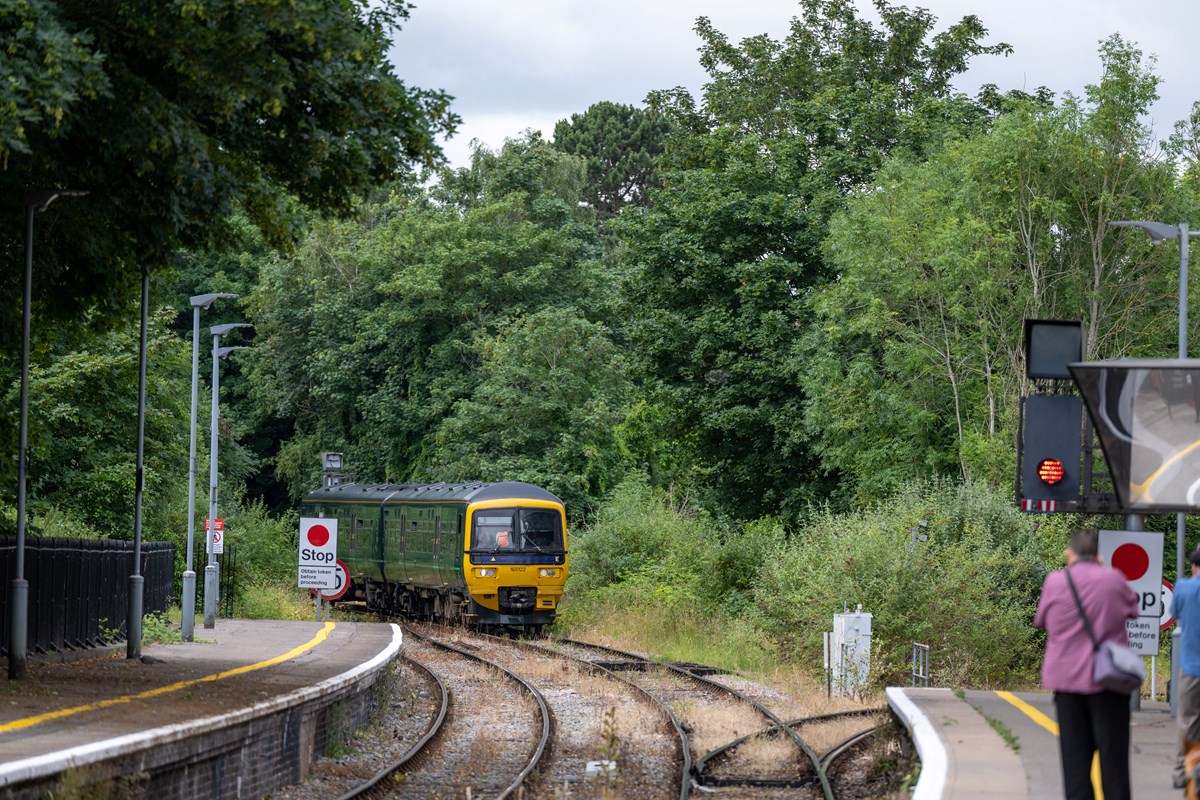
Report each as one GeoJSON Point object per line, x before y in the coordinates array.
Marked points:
{"type": "Point", "coordinates": [517, 530]}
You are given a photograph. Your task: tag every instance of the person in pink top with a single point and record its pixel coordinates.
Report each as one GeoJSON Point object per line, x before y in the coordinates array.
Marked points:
{"type": "Point", "coordinates": [1090, 718]}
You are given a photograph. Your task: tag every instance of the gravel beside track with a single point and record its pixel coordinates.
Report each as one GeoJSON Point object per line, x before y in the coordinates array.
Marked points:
{"type": "Point", "coordinates": [409, 708]}
{"type": "Point", "coordinates": [598, 718]}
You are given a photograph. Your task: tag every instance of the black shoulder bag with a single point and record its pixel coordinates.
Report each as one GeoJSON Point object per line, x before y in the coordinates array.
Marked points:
{"type": "Point", "coordinates": [1116, 668]}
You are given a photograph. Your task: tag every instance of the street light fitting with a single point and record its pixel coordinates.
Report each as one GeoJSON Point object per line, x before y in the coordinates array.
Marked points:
{"type": "Point", "coordinates": [1158, 230]}
{"type": "Point", "coordinates": [224, 351]}
{"type": "Point", "coordinates": [206, 300]}
{"type": "Point", "coordinates": [221, 330]}
{"type": "Point", "coordinates": [40, 201]}
{"type": "Point", "coordinates": [18, 603]}
{"type": "Point", "coordinates": [188, 602]}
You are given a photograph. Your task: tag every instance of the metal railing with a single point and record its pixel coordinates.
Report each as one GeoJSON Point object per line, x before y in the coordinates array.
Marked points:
{"type": "Point", "coordinates": [920, 664]}
{"type": "Point", "coordinates": [79, 589]}
{"type": "Point", "coordinates": [229, 579]}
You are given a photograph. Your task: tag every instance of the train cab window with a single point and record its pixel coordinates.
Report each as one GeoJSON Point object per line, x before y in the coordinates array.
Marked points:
{"type": "Point", "coordinates": [493, 528]}
{"type": "Point", "coordinates": [517, 530]}
{"type": "Point", "coordinates": [540, 529]}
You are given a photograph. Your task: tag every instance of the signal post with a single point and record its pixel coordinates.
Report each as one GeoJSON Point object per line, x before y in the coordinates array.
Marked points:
{"type": "Point", "coordinates": [1145, 413]}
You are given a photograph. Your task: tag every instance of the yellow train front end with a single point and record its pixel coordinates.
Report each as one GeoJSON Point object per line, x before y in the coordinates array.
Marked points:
{"type": "Point", "coordinates": [515, 561]}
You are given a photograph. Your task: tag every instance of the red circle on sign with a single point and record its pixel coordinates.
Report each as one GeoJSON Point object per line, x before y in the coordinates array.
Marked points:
{"type": "Point", "coordinates": [1132, 560]}
{"type": "Point", "coordinates": [318, 535]}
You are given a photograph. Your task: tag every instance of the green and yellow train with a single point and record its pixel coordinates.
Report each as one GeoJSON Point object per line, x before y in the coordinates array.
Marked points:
{"type": "Point", "coordinates": [483, 554]}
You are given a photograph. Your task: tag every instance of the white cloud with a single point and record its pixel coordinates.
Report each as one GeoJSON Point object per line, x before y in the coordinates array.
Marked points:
{"type": "Point", "coordinates": [522, 64]}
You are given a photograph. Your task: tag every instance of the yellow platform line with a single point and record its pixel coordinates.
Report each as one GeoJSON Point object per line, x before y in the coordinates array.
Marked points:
{"type": "Point", "coordinates": [29, 722]}
{"type": "Point", "coordinates": [1052, 726]}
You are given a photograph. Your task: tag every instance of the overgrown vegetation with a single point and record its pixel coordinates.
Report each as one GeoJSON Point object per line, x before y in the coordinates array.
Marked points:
{"type": "Point", "coordinates": [757, 596]}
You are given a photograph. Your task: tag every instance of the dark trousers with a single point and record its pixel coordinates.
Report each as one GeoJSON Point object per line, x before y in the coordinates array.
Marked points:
{"type": "Point", "coordinates": [1087, 723]}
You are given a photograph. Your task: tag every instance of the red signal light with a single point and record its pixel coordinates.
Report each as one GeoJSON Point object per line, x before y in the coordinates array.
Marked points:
{"type": "Point", "coordinates": [1050, 470]}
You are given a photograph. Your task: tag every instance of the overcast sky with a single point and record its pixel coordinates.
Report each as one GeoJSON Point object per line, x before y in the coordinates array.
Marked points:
{"type": "Point", "coordinates": [513, 65]}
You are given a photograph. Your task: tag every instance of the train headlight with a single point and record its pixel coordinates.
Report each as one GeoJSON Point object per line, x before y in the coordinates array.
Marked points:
{"type": "Point", "coordinates": [547, 573]}
{"type": "Point", "coordinates": [486, 572]}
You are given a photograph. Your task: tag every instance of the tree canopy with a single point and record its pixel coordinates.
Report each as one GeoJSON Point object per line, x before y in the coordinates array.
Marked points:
{"type": "Point", "coordinates": [721, 263]}
{"type": "Point", "coordinates": [170, 115]}
{"type": "Point", "coordinates": [804, 286]}
{"type": "Point", "coordinates": [915, 364]}
{"type": "Point", "coordinates": [621, 145]}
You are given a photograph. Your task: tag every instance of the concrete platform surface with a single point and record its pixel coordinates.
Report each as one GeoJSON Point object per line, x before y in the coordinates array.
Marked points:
{"type": "Point", "coordinates": [65, 714]}
{"type": "Point", "coordinates": [984, 744]}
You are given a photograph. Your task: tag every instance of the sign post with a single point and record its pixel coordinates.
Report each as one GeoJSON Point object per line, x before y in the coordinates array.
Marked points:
{"type": "Point", "coordinates": [1139, 556]}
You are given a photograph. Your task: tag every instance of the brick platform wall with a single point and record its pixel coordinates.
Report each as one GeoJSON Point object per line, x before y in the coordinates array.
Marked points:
{"type": "Point", "coordinates": [248, 759]}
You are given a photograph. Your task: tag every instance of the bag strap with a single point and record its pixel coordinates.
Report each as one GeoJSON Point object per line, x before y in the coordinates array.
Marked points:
{"type": "Point", "coordinates": [1087, 625]}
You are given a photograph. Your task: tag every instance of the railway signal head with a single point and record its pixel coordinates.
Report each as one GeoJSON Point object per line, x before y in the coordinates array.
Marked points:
{"type": "Point", "coordinates": [1052, 447]}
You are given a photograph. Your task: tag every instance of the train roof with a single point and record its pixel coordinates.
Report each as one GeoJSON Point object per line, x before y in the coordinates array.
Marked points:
{"type": "Point", "coordinates": [431, 492]}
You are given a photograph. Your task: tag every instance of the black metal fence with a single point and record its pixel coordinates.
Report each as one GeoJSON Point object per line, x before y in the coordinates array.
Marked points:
{"type": "Point", "coordinates": [79, 589]}
{"type": "Point", "coordinates": [228, 580]}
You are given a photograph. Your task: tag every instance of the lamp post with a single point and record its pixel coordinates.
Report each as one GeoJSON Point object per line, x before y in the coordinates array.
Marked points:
{"type": "Point", "coordinates": [1159, 231]}
{"type": "Point", "coordinates": [211, 576]}
{"type": "Point", "coordinates": [18, 631]}
{"type": "Point", "coordinates": [188, 601]}
{"type": "Point", "coordinates": [133, 639]}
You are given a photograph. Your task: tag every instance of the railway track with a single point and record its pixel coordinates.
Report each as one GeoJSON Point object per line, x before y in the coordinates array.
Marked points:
{"type": "Point", "coordinates": [617, 724]}
{"type": "Point", "coordinates": [487, 740]}
{"type": "Point", "coordinates": [609, 733]}
{"type": "Point", "coordinates": [741, 749]}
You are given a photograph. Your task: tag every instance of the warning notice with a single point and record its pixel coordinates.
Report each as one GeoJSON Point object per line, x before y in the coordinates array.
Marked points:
{"type": "Point", "coordinates": [318, 554]}
{"type": "Point", "coordinates": [1138, 555]}
{"type": "Point", "coordinates": [318, 577]}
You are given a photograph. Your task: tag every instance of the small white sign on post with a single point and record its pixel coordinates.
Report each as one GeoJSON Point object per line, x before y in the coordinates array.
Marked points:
{"type": "Point", "coordinates": [216, 534]}
{"type": "Point", "coordinates": [318, 553]}
{"type": "Point", "coordinates": [1139, 556]}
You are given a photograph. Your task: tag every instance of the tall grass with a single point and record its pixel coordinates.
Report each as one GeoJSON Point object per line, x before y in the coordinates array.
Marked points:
{"type": "Point", "coordinates": [676, 633]}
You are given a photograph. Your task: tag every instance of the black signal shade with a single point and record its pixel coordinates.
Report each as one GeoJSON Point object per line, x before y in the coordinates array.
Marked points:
{"type": "Point", "coordinates": [1050, 470]}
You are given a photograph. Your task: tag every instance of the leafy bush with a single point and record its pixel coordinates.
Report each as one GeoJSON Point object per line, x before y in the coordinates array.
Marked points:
{"type": "Point", "coordinates": [969, 590]}
{"type": "Point", "coordinates": [261, 551]}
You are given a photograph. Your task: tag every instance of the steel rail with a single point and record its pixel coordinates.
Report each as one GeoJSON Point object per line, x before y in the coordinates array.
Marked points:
{"type": "Point", "coordinates": [685, 784]}
{"type": "Point", "coordinates": [702, 763]}
{"type": "Point", "coordinates": [547, 720]}
{"type": "Point", "coordinates": [778, 724]}
{"type": "Point", "coordinates": [838, 750]}
{"type": "Point", "coordinates": [435, 729]}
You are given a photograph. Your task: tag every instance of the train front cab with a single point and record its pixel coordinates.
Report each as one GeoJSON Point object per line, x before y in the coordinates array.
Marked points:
{"type": "Point", "coordinates": [515, 562]}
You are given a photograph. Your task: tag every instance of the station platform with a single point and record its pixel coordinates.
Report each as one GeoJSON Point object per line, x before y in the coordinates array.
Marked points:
{"type": "Point", "coordinates": [985, 744]}
{"type": "Point", "coordinates": [238, 712]}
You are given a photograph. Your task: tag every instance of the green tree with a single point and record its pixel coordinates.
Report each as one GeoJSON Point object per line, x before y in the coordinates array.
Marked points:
{"type": "Point", "coordinates": [621, 145]}
{"type": "Point", "coordinates": [171, 114]}
{"type": "Point", "coordinates": [81, 451]}
{"type": "Point", "coordinates": [545, 410]}
{"type": "Point", "coordinates": [721, 262]}
{"type": "Point", "coordinates": [379, 328]}
{"type": "Point", "coordinates": [915, 363]}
